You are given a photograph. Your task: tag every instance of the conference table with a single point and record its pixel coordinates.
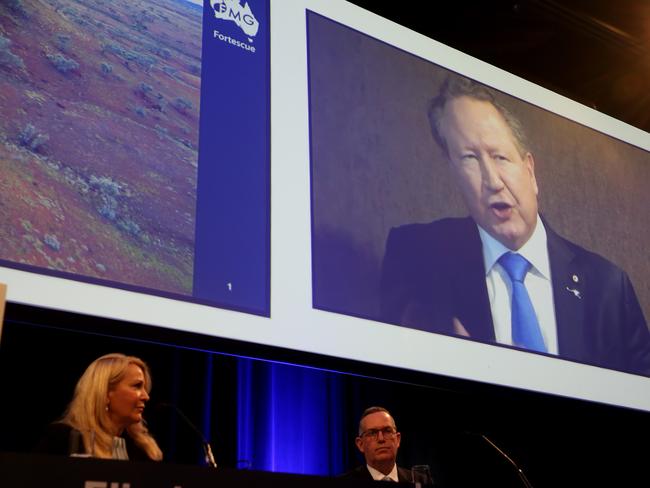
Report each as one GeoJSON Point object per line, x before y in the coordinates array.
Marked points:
{"type": "Point", "coordinates": [23, 470]}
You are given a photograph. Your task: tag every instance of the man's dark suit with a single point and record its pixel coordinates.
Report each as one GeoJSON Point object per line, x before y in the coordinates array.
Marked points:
{"type": "Point", "coordinates": [361, 472]}
{"type": "Point", "coordinates": [433, 273]}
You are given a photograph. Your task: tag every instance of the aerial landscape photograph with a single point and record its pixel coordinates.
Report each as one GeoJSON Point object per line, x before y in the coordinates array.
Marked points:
{"type": "Point", "coordinates": [99, 135]}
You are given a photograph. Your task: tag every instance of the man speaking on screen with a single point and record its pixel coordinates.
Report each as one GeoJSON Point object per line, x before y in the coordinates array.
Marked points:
{"type": "Point", "coordinates": [503, 275]}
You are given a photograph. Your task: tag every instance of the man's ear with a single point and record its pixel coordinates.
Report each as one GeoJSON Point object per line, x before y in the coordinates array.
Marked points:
{"type": "Point", "coordinates": [530, 166]}
{"type": "Point", "coordinates": [359, 442]}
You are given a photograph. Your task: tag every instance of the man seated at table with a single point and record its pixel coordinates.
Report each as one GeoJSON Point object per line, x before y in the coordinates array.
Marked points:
{"type": "Point", "coordinates": [378, 441]}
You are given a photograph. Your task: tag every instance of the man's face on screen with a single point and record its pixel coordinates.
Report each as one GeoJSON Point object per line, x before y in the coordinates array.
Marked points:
{"type": "Point", "coordinates": [379, 441]}
{"type": "Point", "coordinates": [497, 182]}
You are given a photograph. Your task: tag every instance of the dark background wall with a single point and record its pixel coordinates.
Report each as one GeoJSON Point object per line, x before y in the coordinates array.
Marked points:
{"type": "Point", "coordinates": [593, 51]}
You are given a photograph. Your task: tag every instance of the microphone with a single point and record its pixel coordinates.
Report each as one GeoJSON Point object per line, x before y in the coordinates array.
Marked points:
{"type": "Point", "coordinates": [520, 472]}
{"type": "Point", "coordinates": [207, 449]}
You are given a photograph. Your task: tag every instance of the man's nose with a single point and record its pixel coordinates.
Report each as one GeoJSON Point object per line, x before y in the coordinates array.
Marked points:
{"type": "Point", "coordinates": [490, 174]}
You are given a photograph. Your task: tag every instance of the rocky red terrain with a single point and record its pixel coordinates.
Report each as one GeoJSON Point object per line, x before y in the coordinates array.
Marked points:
{"type": "Point", "coordinates": [99, 110]}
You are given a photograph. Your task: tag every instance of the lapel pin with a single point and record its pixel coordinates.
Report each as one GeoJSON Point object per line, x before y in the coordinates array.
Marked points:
{"type": "Point", "coordinates": [575, 278]}
{"type": "Point", "coordinates": [576, 292]}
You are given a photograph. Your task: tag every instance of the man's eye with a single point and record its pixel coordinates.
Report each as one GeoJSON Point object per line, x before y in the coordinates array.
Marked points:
{"type": "Point", "coordinates": [468, 159]}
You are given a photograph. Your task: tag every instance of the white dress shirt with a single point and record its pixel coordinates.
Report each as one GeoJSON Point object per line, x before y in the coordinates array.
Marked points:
{"type": "Point", "coordinates": [537, 281]}
{"type": "Point", "coordinates": [378, 475]}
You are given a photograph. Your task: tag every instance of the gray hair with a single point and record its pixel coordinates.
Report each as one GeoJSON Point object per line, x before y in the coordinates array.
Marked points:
{"type": "Point", "coordinates": [455, 87]}
{"type": "Point", "coordinates": [371, 410]}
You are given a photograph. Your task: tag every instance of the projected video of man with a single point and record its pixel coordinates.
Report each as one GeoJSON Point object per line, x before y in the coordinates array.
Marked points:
{"type": "Point", "coordinates": [503, 274]}
{"type": "Point", "coordinates": [512, 226]}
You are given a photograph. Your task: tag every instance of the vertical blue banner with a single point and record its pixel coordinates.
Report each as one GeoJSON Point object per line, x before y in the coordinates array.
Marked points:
{"type": "Point", "coordinates": [231, 267]}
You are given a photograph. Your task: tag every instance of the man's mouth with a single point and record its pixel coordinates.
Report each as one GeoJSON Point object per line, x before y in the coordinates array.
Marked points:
{"type": "Point", "coordinates": [501, 209]}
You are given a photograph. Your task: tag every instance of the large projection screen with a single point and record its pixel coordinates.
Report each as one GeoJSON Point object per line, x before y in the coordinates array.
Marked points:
{"type": "Point", "coordinates": [306, 303]}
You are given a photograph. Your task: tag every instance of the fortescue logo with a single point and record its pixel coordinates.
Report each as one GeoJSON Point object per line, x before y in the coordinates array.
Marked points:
{"type": "Point", "coordinates": [233, 11]}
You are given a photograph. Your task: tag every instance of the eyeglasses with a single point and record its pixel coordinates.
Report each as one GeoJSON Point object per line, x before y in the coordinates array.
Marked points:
{"type": "Point", "coordinates": [387, 432]}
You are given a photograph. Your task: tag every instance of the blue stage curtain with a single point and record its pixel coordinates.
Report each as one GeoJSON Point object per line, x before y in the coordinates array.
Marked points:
{"type": "Point", "coordinates": [289, 419]}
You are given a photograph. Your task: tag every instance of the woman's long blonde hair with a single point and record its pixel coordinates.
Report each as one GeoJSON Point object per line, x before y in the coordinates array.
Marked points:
{"type": "Point", "coordinates": [87, 411]}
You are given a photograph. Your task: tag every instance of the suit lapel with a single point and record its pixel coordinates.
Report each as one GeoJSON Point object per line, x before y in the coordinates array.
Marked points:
{"type": "Point", "coordinates": [568, 294]}
{"type": "Point", "coordinates": [404, 475]}
{"type": "Point", "coordinates": [472, 305]}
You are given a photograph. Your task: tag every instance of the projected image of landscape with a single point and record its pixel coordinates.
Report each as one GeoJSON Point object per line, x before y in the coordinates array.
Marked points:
{"type": "Point", "coordinates": [99, 128]}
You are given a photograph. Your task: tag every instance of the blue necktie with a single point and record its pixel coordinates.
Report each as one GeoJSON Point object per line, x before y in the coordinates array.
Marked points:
{"type": "Point", "coordinates": [525, 328]}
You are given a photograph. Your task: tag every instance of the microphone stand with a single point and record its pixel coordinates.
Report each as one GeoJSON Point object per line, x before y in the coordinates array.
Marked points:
{"type": "Point", "coordinates": [207, 449]}
{"type": "Point", "coordinates": [520, 472]}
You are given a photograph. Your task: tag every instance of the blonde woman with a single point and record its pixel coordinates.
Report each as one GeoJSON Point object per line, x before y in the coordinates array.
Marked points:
{"type": "Point", "coordinates": [104, 418]}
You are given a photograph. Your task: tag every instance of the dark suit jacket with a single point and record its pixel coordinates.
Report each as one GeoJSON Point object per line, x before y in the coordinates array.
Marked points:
{"type": "Point", "coordinates": [362, 473]}
{"type": "Point", "coordinates": [434, 272]}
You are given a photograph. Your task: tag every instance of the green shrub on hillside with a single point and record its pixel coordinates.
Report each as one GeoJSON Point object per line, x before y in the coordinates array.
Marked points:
{"type": "Point", "coordinates": [62, 64]}
{"type": "Point", "coordinates": [7, 58]}
{"type": "Point", "coordinates": [30, 138]}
